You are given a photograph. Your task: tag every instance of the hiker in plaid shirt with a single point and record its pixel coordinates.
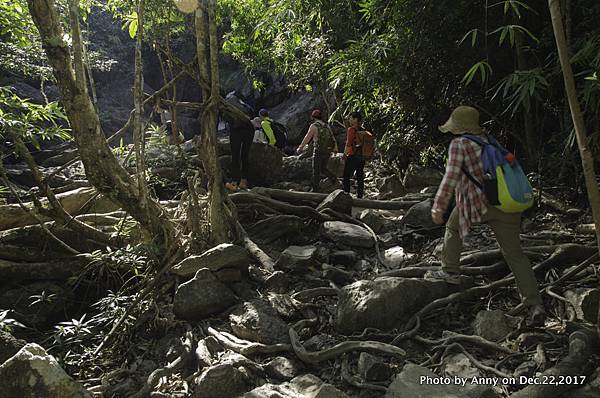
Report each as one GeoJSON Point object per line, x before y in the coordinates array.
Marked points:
{"type": "Point", "coordinates": [464, 156]}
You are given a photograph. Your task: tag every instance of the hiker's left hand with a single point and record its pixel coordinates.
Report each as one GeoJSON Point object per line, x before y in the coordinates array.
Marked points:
{"type": "Point", "coordinates": [437, 217]}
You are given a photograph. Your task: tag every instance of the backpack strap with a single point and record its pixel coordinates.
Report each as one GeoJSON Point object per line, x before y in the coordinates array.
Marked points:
{"type": "Point", "coordinates": [473, 179]}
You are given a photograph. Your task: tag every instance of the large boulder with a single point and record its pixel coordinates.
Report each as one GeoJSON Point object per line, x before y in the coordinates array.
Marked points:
{"type": "Point", "coordinates": [305, 386]}
{"type": "Point", "coordinates": [336, 163]}
{"type": "Point", "coordinates": [220, 381]}
{"type": "Point", "coordinates": [338, 200]}
{"type": "Point", "coordinates": [419, 177]}
{"type": "Point", "coordinates": [294, 113]}
{"type": "Point", "coordinates": [372, 218]}
{"type": "Point", "coordinates": [266, 163]}
{"type": "Point", "coordinates": [390, 187]}
{"type": "Point", "coordinates": [298, 258]}
{"type": "Point", "coordinates": [201, 297]}
{"type": "Point", "coordinates": [9, 345]}
{"type": "Point", "coordinates": [419, 382]}
{"type": "Point", "coordinates": [219, 257]}
{"type": "Point", "coordinates": [385, 303]}
{"type": "Point", "coordinates": [258, 321]}
{"type": "Point", "coordinates": [31, 372]}
{"type": "Point", "coordinates": [348, 234]}
{"type": "Point", "coordinates": [419, 215]}
{"type": "Point", "coordinates": [297, 168]}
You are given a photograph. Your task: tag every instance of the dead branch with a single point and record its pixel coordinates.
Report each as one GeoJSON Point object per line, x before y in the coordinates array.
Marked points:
{"type": "Point", "coordinates": [475, 362]}
{"type": "Point", "coordinates": [355, 380]}
{"type": "Point", "coordinates": [341, 348]}
{"type": "Point", "coordinates": [309, 294]}
{"type": "Point", "coordinates": [245, 347]}
{"type": "Point", "coordinates": [471, 339]}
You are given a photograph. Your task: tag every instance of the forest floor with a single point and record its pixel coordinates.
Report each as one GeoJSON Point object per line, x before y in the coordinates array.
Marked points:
{"type": "Point", "coordinates": [345, 310]}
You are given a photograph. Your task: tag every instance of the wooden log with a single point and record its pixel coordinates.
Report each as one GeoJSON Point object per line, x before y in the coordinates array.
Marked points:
{"type": "Point", "coordinates": [302, 197]}
{"type": "Point", "coordinates": [14, 216]}
{"type": "Point", "coordinates": [52, 270]}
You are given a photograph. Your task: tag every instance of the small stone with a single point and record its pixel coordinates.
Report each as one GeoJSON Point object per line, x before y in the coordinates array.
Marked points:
{"type": "Point", "coordinates": [590, 390]}
{"type": "Point", "coordinates": [298, 258]}
{"type": "Point", "coordinates": [9, 345]}
{"type": "Point", "coordinates": [346, 258]}
{"type": "Point", "coordinates": [419, 215]}
{"type": "Point", "coordinates": [201, 297]}
{"type": "Point", "coordinates": [222, 256]}
{"type": "Point", "coordinates": [396, 256]}
{"type": "Point", "coordinates": [373, 368]}
{"type": "Point", "coordinates": [372, 218]}
{"type": "Point", "coordinates": [492, 325]}
{"type": "Point", "coordinates": [460, 366]}
{"type": "Point", "coordinates": [282, 368]}
{"type": "Point", "coordinates": [348, 234]}
{"type": "Point", "coordinates": [257, 321]}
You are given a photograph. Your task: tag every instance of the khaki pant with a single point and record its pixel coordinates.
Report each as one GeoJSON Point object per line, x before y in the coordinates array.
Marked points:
{"type": "Point", "coordinates": [506, 227]}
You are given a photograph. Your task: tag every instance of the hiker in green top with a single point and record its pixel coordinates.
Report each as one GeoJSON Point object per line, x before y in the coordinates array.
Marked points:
{"type": "Point", "coordinates": [265, 123]}
{"type": "Point", "coordinates": [323, 145]}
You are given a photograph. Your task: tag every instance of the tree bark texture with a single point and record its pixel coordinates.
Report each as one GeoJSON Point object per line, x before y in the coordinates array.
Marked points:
{"type": "Point", "coordinates": [101, 167]}
{"type": "Point", "coordinates": [206, 32]}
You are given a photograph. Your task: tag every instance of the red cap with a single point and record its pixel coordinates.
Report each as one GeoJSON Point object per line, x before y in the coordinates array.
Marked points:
{"type": "Point", "coordinates": [316, 114]}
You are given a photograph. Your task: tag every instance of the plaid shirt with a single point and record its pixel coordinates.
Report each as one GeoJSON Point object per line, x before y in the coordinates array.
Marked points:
{"type": "Point", "coordinates": [470, 200]}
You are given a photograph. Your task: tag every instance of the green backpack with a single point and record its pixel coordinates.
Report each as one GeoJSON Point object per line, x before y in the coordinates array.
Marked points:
{"type": "Point", "coordinates": [325, 142]}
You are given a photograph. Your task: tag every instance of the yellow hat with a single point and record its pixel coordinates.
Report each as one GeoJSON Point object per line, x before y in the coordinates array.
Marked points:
{"type": "Point", "coordinates": [463, 120]}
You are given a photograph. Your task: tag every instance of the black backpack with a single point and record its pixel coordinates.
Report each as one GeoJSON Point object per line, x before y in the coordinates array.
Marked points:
{"type": "Point", "coordinates": [280, 133]}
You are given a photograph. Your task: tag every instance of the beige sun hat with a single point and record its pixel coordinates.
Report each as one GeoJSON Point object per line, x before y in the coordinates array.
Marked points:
{"type": "Point", "coordinates": [187, 6]}
{"type": "Point", "coordinates": [463, 120]}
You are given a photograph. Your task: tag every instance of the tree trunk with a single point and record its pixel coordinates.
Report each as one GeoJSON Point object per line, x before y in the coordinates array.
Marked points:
{"type": "Point", "coordinates": [587, 159]}
{"type": "Point", "coordinates": [206, 30]}
{"type": "Point", "coordinates": [138, 98]}
{"type": "Point", "coordinates": [102, 169]}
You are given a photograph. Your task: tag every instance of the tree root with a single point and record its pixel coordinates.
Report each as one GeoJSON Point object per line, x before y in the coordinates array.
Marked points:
{"type": "Point", "coordinates": [341, 348]}
{"type": "Point", "coordinates": [572, 365]}
{"type": "Point", "coordinates": [245, 347]}
{"type": "Point", "coordinates": [255, 251]}
{"type": "Point", "coordinates": [356, 381]}
{"type": "Point", "coordinates": [306, 295]}
{"type": "Point", "coordinates": [475, 340]}
{"type": "Point", "coordinates": [474, 361]}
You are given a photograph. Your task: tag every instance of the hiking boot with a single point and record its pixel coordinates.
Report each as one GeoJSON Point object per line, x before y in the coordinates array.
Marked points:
{"type": "Point", "coordinates": [231, 186]}
{"type": "Point", "coordinates": [443, 276]}
{"type": "Point", "coordinates": [243, 184]}
{"type": "Point", "coordinates": [536, 316]}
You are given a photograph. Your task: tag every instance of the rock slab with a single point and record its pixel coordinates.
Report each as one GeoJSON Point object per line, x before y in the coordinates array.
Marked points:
{"type": "Point", "coordinates": [493, 325]}
{"type": "Point", "coordinates": [222, 256]}
{"type": "Point", "coordinates": [258, 321]}
{"type": "Point", "coordinates": [338, 200]}
{"type": "Point", "coordinates": [305, 386]}
{"type": "Point", "coordinates": [297, 258]}
{"type": "Point", "coordinates": [386, 302]}
{"type": "Point", "coordinates": [348, 234]}
{"type": "Point", "coordinates": [201, 297]}
{"type": "Point", "coordinates": [220, 381]}
{"type": "Point", "coordinates": [31, 372]}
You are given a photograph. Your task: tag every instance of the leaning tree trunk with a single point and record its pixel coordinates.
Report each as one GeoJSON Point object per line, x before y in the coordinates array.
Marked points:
{"type": "Point", "coordinates": [587, 159]}
{"type": "Point", "coordinates": [102, 169]}
{"type": "Point", "coordinates": [206, 33]}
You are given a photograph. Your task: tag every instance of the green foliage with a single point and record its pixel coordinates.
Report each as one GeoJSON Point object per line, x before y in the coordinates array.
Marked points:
{"type": "Point", "coordinates": [8, 324]}
{"type": "Point", "coordinates": [30, 121]}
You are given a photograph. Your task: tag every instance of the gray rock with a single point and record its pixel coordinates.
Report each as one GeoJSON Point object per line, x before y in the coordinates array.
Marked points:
{"type": "Point", "coordinates": [373, 368]}
{"type": "Point", "coordinates": [419, 177]}
{"type": "Point", "coordinates": [419, 215]}
{"type": "Point", "coordinates": [372, 218]}
{"type": "Point", "coordinates": [9, 345]}
{"type": "Point", "coordinates": [390, 187]}
{"type": "Point", "coordinates": [460, 365]}
{"type": "Point", "coordinates": [306, 386]}
{"type": "Point", "coordinates": [344, 257]}
{"type": "Point", "coordinates": [412, 382]}
{"type": "Point", "coordinates": [37, 304]}
{"type": "Point", "coordinates": [396, 256]}
{"type": "Point", "coordinates": [201, 297]}
{"type": "Point", "coordinates": [265, 164]}
{"type": "Point", "coordinates": [336, 164]}
{"type": "Point", "coordinates": [337, 275]}
{"type": "Point", "coordinates": [282, 368]}
{"type": "Point", "coordinates": [348, 234]}
{"type": "Point", "coordinates": [338, 200]}
{"type": "Point", "coordinates": [222, 256]}
{"type": "Point", "coordinates": [31, 372]}
{"type": "Point", "coordinates": [220, 381]}
{"type": "Point", "coordinates": [298, 258]}
{"type": "Point", "coordinates": [258, 321]}
{"type": "Point", "coordinates": [385, 303]}
{"type": "Point", "coordinates": [294, 113]}
{"type": "Point", "coordinates": [297, 168]}
{"type": "Point", "coordinates": [493, 325]}
{"type": "Point", "coordinates": [590, 390]}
